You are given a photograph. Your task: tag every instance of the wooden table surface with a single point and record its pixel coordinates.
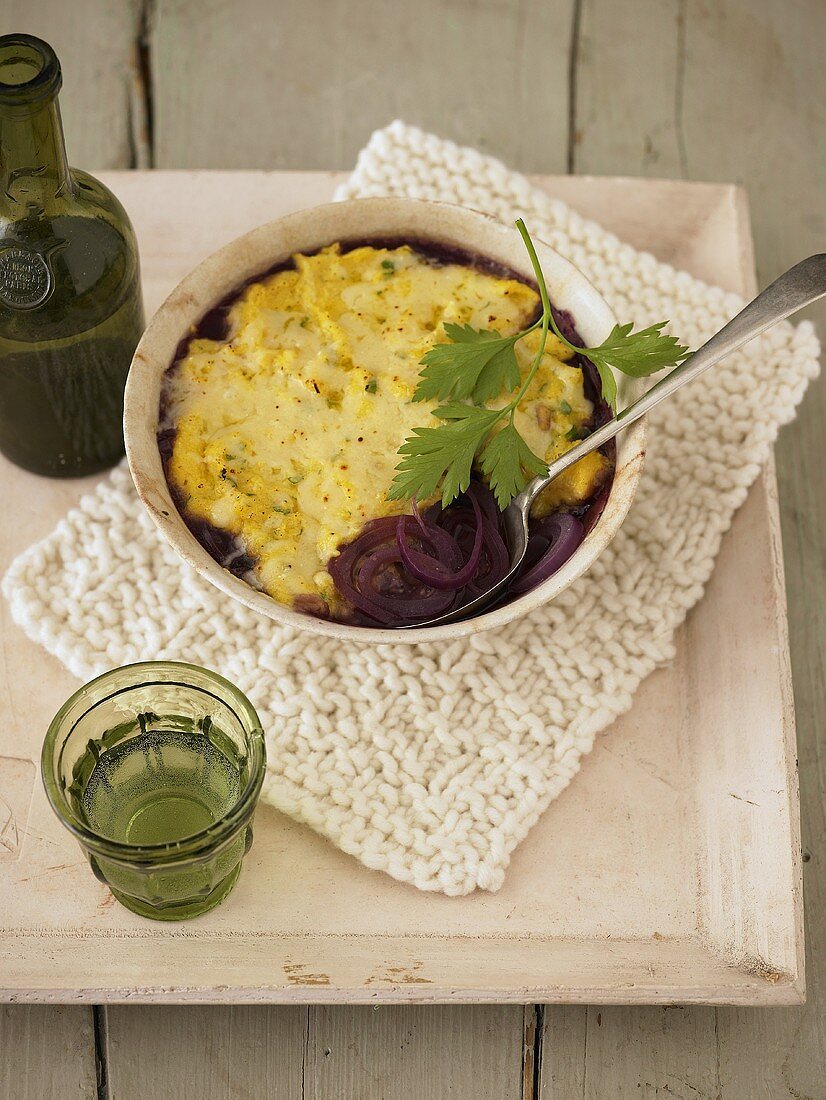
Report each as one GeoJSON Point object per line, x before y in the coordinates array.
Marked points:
{"type": "Point", "coordinates": [728, 90]}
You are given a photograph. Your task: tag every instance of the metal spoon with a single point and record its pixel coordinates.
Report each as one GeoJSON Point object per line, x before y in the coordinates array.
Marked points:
{"type": "Point", "coordinates": [798, 287]}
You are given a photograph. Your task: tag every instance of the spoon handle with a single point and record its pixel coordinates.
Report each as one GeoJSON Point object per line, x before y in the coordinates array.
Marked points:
{"type": "Point", "coordinates": [798, 287]}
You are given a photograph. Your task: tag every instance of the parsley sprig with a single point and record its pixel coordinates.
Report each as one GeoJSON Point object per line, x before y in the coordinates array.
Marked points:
{"type": "Point", "coordinates": [637, 354]}
{"type": "Point", "coordinates": [477, 365]}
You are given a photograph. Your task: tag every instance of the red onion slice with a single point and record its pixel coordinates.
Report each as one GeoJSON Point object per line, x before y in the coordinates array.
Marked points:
{"type": "Point", "coordinates": [562, 534]}
{"type": "Point", "coordinates": [460, 522]}
{"type": "Point", "coordinates": [404, 570]}
{"type": "Point", "coordinates": [369, 574]}
{"type": "Point", "coordinates": [432, 571]}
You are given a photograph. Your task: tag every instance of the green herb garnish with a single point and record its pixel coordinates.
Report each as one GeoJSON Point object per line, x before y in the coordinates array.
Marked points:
{"type": "Point", "coordinates": [475, 366]}
{"type": "Point", "coordinates": [564, 408]}
{"type": "Point", "coordinates": [444, 454]}
{"type": "Point", "coordinates": [388, 266]}
{"type": "Point", "coordinates": [637, 354]}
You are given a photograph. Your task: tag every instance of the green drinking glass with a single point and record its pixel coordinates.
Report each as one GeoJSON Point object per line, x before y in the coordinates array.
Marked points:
{"type": "Point", "coordinates": [156, 768]}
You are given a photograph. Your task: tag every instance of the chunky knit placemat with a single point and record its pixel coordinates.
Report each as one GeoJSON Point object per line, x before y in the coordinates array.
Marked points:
{"type": "Point", "coordinates": [427, 762]}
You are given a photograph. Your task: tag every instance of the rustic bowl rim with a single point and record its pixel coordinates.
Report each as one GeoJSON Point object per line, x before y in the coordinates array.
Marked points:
{"type": "Point", "coordinates": [307, 230]}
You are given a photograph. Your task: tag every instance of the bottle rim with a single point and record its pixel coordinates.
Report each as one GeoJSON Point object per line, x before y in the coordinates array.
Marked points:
{"type": "Point", "coordinates": [46, 78]}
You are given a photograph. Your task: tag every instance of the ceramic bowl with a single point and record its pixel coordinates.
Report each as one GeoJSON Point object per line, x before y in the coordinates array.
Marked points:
{"type": "Point", "coordinates": [307, 231]}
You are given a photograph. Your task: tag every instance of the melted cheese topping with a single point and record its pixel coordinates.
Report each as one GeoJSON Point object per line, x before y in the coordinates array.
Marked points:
{"type": "Point", "coordinates": [287, 432]}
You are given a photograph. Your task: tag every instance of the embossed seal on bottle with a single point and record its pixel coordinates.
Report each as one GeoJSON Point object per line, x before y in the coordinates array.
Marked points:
{"type": "Point", "coordinates": [25, 277]}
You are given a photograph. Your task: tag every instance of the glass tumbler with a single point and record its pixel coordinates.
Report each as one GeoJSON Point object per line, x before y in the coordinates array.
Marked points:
{"type": "Point", "coordinates": [156, 768]}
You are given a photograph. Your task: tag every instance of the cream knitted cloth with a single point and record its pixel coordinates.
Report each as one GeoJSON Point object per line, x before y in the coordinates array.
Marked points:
{"type": "Point", "coordinates": [426, 761]}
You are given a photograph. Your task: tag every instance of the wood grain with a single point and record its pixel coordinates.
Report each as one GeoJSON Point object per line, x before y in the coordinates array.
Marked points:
{"type": "Point", "coordinates": [637, 1055]}
{"type": "Point", "coordinates": [562, 1052]}
{"type": "Point", "coordinates": [619, 118]}
{"type": "Point", "coordinates": [102, 101]}
{"type": "Point", "coordinates": [302, 83]}
{"type": "Point", "coordinates": [47, 1053]}
{"type": "Point", "coordinates": [415, 1053]}
{"type": "Point", "coordinates": [237, 1053]}
{"type": "Point", "coordinates": [243, 1053]}
{"type": "Point", "coordinates": [708, 90]}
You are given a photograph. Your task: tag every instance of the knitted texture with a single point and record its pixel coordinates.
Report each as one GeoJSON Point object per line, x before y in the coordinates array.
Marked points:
{"type": "Point", "coordinates": [432, 762]}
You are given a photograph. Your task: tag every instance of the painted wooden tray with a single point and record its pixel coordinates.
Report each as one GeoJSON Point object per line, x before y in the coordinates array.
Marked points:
{"type": "Point", "coordinates": [668, 871]}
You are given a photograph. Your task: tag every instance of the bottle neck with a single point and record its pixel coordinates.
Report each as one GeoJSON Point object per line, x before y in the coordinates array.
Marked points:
{"type": "Point", "coordinates": [33, 165]}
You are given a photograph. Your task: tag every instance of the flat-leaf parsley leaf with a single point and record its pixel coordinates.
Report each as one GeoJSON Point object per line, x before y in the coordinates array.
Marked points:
{"type": "Point", "coordinates": [476, 365]}
{"type": "Point", "coordinates": [505, 461]}
{"type": "Point", "coordinates": [445, 454]}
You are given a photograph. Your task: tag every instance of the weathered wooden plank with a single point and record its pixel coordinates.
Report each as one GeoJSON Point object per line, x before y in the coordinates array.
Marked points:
{"type": "Point", "coordinates": [563, 1052]}
{"type": "Point", "coordinates": [47, 1053]}
{"type": "Point", "coordinates": [751, 112]}
{"type": "Point", "coordinates": [415, 1053]}
{"type": "Point", "coordinates": [235, 1053]}
{"type": "Point", "coordinates": [102, 100]}
{"type": "Point", "coordinates": [302, 83]}
{"type": "Point", "coordinates": [632, 1054]}
{"type": "Point", "coordinates": [711, 91]}
{"type": "Point", "coordinates": [624, 88]}
{"type": "Point", "coordinates": [244, 1053]}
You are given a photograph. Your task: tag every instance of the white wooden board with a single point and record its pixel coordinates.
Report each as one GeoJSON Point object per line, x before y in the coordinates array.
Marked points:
{"type": "Point", "coordinates": [668, 871]}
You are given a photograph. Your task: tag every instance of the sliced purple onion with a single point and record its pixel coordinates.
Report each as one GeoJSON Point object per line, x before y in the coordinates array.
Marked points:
{"type": "Point", "coordinates": [404, 570]}
{"type": "Point", "coordinates": [407, 569]}
{"type": "Point", "coordinates": [552, 541]}
{"type": "Point", "coordinates": [460, 522]}
{"type": "Point", "coordinates": [370, 574]}
{"type": "Point", "coordinates": [434, 571]}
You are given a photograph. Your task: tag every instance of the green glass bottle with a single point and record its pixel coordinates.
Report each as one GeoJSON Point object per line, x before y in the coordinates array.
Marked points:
{"type": "Point", "coordinates": [71, 311]}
